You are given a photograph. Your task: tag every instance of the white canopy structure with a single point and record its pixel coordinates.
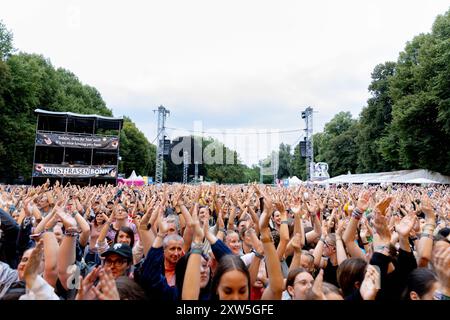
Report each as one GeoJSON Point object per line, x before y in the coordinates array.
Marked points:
{"type": "Point", "coordinates": [418, 176]}
{"type": "Point", "coordinates": [133, 176]}
{"type": "Point", "coordinates": [294, 181]}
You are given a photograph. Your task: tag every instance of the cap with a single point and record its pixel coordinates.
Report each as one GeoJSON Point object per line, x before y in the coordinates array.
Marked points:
{"type": "Point", "coordinates": [122, 249]}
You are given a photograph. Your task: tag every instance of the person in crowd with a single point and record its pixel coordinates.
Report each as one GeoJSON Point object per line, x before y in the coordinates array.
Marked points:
{"type": "Point", "coordinates": [219, 242]}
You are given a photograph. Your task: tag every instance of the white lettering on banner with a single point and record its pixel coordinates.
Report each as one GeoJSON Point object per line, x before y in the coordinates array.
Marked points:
{"type": "Point", "coordinates": [81, 141]}
{"type": "Point", "coordinates": [75, 171]}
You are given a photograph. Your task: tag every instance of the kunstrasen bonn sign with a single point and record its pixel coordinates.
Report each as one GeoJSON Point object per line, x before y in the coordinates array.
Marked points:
{"type": "Point", "coordinates": [75, 141]}
{"type": "Point", "coordinates": [74, 171]}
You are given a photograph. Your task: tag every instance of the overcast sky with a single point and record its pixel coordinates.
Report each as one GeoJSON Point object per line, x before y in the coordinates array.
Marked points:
{"type": "Point", "coordinates": [239, 66]}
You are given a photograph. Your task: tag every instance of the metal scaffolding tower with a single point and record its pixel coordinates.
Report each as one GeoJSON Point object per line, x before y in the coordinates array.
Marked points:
{"type": "Point", "coordinates": [275, 166]}
{"type": "Point", "coordinates": [196, 172]}
{"type": "Point", "coordinates": [308, 116]}
{"type": "Point", "coordinates": [185, 166]}
{"type": "Point", "coordinates": [162, 114]}
{"type": "Point", "coordinates": [261, 177]}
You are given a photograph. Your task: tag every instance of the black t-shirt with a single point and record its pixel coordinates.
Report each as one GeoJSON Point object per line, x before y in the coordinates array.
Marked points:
{"type": "Point", "coordinates": [330, 273]}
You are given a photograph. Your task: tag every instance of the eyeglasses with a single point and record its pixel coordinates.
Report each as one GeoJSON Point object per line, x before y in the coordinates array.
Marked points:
{"type": "Point", "coordinates": [117, 263]}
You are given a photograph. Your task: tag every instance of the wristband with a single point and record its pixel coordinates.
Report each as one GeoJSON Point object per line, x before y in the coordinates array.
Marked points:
{"type": "Point", "coordinates": [440, 296]}
{"type": "Point", "coordinates": [74, 214]}
{"type": "Point", "coordinates": [71, 232]}
{"type": "Point", "coordinates": [427, 235]}
{"type": "Point", "coordinates": [223, 230]}
{"type": "Point", "coordinates": [196, 251]}
{"type": "Point", "coordinates": [383, 247]}
{"type": "Point", "coordinates": [197, 246]}
{"type": "Point", "coordinates": [356, 213]}
{"type": "Point", "coordinates": [284, 222]}
{"type": "Point", "coordinates": [257, 254]}
{"type": "Point", "coordinates": [161, 235]}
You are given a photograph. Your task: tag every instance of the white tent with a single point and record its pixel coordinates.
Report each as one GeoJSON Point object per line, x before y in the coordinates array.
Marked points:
{"type": "Point", "coordinates": [403, 176]}
{"type": "Point", "coordinates": [422, 181]}
{"type": "Point", "coordinates": [294, 181]}
{"type": "Point", "coordinates": [133, 176]}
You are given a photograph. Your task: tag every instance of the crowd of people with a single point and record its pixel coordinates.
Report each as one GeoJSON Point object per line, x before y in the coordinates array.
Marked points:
{"type": "Point", "coordinates": [218, 242]}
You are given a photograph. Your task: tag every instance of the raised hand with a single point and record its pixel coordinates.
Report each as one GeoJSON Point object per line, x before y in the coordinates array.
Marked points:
{"type": "Point", "coordinates": [312, 207]}
{"type": "Point", "coordinates": [406, 224]}
{"type": "Point", "coordinates": [427, 208]}
{"type": "Point", "coordinates": [371, 284]}
{"type": "Point", "coordinates": [297, 242]}
{"type": "Point", "coordinates": [340, 228]}
{"type": "Point", "coordinates": [264, 219]}
{"type": "Point", "coordinates": [32, 268]}
{"type": "Point", "coordinates": [280, 206]}
{"type": "Point", "coordinates": [220, 222]}
{"type": "Point", "coordinates": [163, 226]}
{"type": "Point", "coordinates": [106, 288]}
{"type": "Point", "coordinates": [67, 220]}
{"type": "Point", "coordinates": [363, 200]}
{"type": "Point", "coordinates": [199, 233]}
{"type": "Point", "coordinates": [382, 206]}
{"type": "Point", "coordinates": [86, 292]}
{"type": "Point", "coordinates": [381, 228]}
{"type": "Point", "coordinates": [316, 290]}
{"type": "Point", "coordinates": [441, 263]}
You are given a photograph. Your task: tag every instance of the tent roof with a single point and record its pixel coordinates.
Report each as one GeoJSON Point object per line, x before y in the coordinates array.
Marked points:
{"type": "Point", "coordinates": [402, 176]}
{"type": "Point", "coordinates": [72, 114]}
{"type": "Point", "coordinates": [133, 176]}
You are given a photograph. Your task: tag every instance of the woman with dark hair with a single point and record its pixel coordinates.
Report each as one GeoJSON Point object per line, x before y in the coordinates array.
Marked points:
{"type": "Point", "coordinates": [125, 235]}
{"type": "Point", "coordinates": [231, 280]}
{"type": "Point", "coordinates": [128, 289]}
{"type": "Point", "coordinates": [205, 276]}
{"type": "Point", "coordinates": [350, 275]}
{"type": "Point", "coordinates": [91, 257]}
{"type": "Point", "coordinates": [422, 283]}
{"type": "Point", "coordinates": [358, 280]}
{"type": "Point", "coordinates": [113, 227]}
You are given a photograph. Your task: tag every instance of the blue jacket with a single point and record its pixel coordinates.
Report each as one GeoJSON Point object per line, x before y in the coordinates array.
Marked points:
{"type": "Point", "coordinates": [151, 275]}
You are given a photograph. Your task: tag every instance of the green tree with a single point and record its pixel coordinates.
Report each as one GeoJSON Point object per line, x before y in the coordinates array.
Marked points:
{"type": "Point", "coordinates": [6, 42]}
{"type": "Point", "coordinates": [284, 161]}
{"type": "Point", "coordinates": [136, 152]}
{"type": "Point", "coordinates": [373, 121]}
{"type": "Point", "coordinates": [298, 164]}
{"type": "Point", "coordinates": [338, 145]}
{"type": "Point", "coordinates": [419, 133]}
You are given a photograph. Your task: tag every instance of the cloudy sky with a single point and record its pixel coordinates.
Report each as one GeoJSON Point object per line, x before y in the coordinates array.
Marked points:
{"type": "Point", "coordinates": [241, 67]}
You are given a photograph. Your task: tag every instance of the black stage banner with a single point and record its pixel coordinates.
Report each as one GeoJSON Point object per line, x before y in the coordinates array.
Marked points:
{"type": "Point", "coordinates": [74, 141]}
{"type": "Point", "coordinates": [55, 170]}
